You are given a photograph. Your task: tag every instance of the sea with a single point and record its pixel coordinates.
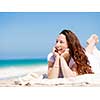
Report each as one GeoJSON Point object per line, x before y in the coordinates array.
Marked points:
{"type": "Point", "coordinates": [11, 68]}
{"type": "Point", "coordinates": [22, 62]}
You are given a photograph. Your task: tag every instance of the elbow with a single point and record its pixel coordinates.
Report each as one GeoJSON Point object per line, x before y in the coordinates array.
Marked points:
{"type": "Point", "coordinates": [52, 76]}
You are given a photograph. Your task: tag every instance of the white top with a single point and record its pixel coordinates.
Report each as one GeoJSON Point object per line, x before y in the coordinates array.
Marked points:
{"type": "Point", "coordinates": [96, 52]}
{"type": "Point", "coordinates": [94, 59]}
{"type": "Point", "coordinates": [51, 58]}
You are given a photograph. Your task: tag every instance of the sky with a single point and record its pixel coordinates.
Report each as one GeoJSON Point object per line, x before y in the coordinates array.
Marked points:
{"type": "Point", "coordinates": [33, 34]}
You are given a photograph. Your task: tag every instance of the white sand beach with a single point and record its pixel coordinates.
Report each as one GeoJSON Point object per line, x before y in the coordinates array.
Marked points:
{"type": "Point", "coordinates": [32, 77]}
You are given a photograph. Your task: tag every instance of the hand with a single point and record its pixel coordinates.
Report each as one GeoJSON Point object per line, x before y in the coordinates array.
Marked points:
{"type": "Point", "coordinates": [55, 52]}
{"type": "Point", "coordinates": [66, 54]}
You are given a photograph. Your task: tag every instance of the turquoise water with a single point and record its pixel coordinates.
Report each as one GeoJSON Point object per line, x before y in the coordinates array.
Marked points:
{"type": "Point", "coordinates": [22, 62]}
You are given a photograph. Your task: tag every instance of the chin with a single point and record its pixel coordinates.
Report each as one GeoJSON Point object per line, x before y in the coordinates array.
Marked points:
{"type": "Point", "coordinates": [60, 53]}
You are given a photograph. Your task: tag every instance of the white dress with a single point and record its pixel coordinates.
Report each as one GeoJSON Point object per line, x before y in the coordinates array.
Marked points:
{"type": "Point", "coordinates": [94, 59]}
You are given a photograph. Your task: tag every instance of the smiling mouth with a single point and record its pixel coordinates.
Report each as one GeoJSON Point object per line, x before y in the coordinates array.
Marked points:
{"type": "Point", "coordinates": [57, 49]}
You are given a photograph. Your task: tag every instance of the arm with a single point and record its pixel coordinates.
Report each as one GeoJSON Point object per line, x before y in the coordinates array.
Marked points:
{"type": "Point", "coordinates": [67, 72]}
{"type": "Point", "coordinates": [65, 57]}
{"type": "Point", "coordinates": [53, 69]}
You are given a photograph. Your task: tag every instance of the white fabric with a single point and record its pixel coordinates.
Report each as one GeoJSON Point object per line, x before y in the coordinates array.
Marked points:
{"type": "Point", "coordinates": [94, 59]}
{"type": "Point", "coordinates": [51, 58]}
{"type": "Point", "coordinates": [96, 52]}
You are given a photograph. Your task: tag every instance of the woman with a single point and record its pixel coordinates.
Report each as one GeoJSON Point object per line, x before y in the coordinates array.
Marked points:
{"type": "Point", "coordinates": [68, 57]}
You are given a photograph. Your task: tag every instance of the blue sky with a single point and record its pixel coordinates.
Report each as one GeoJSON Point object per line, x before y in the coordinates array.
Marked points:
{"type": "Point", "coordinates": [32, 34]}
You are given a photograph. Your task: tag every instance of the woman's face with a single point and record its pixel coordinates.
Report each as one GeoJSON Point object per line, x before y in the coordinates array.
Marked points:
{"type": "Point", "coordinates": [61, 44]}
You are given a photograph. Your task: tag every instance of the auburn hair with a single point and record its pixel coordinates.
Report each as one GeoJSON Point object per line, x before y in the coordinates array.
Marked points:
{"type": "Point", "coordinates": [77, 52]}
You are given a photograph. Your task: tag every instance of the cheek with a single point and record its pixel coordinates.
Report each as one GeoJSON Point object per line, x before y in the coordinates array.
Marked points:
{"type": "Point", "coordinates": [65, 46]}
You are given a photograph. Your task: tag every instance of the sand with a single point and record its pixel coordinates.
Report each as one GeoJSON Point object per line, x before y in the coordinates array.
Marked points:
{"type": "Point", "coordinates": [32, 77]}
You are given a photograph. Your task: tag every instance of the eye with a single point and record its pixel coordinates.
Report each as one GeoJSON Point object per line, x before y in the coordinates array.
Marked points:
{"type": "Point", "coordinates": [61, 41]}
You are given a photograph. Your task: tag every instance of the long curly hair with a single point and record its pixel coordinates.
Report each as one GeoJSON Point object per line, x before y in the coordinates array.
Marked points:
{"type": "Point", "coordinates": [77, 52]}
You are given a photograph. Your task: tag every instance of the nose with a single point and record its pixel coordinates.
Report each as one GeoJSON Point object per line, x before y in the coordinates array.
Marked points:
{"type": "Point", "coordinates": [57, 44]}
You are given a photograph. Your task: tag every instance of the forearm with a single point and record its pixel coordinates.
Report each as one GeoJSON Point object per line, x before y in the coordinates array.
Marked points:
{"type": "Point", "coordinates": [67, 72]}
{"type": "Point", "coordinates": [54, 71]}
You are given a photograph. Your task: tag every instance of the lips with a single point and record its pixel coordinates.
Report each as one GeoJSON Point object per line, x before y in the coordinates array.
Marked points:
{"type": "Point", "coordinates": [59, 50]}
